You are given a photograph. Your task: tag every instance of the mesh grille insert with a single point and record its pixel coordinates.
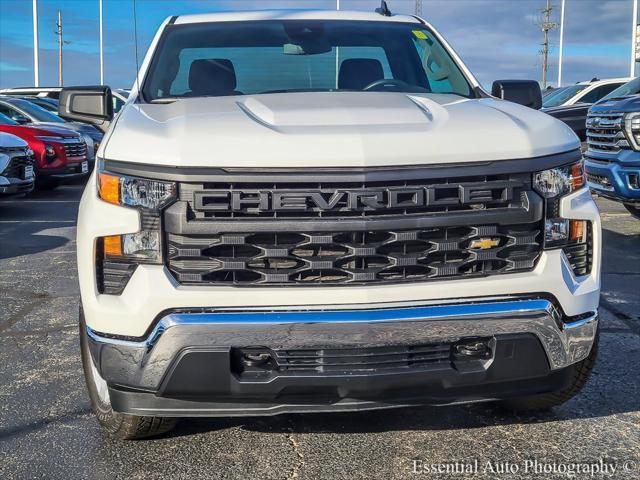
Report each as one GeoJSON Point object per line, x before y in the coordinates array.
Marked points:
{"type": "Point", "coordinates": [352, 257]}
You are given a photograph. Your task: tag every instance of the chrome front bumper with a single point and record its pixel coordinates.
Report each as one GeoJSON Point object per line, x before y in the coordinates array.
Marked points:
{"type": "Point", "coordinates": [144, 362]}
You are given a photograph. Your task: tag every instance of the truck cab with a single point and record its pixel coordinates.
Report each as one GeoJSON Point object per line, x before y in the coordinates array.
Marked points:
{"type": "Point", "coordinates": [613, 156]}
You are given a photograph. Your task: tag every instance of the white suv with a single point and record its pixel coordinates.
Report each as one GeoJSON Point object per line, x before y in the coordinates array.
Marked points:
{"type": "Point", "coordinates": [583, 92]}
{"type": "Point", "coordinates": [324, 211]}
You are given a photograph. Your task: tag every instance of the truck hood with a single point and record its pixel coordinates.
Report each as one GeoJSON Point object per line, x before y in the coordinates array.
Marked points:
{"type": "Point", "coordinates": [330, 129]}
{"type": "Point", "coordinates": [43, 129]}
{"type": "Point", "coordinates": [621, 104]}
{"type": "Point", "coordinates": [67, 126]}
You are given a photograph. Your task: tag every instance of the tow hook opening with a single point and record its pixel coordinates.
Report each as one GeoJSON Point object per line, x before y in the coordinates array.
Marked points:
{"type": "Point", "coordinates": [254, 359]}
{"type": "Point", "coordinates": [472, 348]}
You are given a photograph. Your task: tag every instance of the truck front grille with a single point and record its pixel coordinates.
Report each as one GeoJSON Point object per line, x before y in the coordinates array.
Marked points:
{"type": "Point", "coordinates": [16, 167]}
{"type": "Point", "coordinates": [605, 133]}
{"type": "Point", "coordinates": [352, 257]}
{"type": "Point", "coordinates": [331, 199]}
{"type": "Point", "coordinates": [345, 233]}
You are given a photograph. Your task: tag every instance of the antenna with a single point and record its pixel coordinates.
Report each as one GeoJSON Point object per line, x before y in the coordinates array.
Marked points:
{"type": "Point", "coordinates": [135, 36]}
{"type": "Point", "coordinates": [383, 10]}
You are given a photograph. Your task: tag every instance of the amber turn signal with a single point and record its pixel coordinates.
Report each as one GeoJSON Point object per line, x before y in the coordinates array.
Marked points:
{"type": "Point", "coordinates": [109, 188]}
{"type": "Point", "coordinates": [578, 179]}
{"type": "Point", "coordinates": [112, 246]}
{"type": "Point", "coordinates": [577, 230]}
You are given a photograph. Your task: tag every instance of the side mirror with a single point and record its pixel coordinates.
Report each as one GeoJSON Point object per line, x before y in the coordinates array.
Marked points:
{"type": "Point", "coordinates": [92, 105]}
{"type": "Point", "coordinates": [523, 92]}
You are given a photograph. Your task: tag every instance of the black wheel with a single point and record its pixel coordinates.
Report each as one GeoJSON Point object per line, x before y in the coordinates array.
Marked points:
{"type": "Point", "coordinates": [545, 401]}
{"type": "Point", "coordinates": [47, 184]}
{"type": "Point", "coordinates": [633, 210]}
{"type": "Point", "coordinates": [126, 427]}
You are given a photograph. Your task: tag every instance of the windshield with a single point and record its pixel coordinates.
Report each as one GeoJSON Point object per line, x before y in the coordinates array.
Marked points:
{"type": "Point", "coordinates": [555, 91]}
{"type": "Point", "coordinates": [4, 120]}
{"type": "Point", "coordinates": [51, 106]}
{"type": "Point", "coordinates": [563, 96]}
{"type": "Point", "coordinates": [36, 112]}
{"type": "Point", "coordinates": [629, 88]}
{"type": "Point", "coordinates": [245, 58]}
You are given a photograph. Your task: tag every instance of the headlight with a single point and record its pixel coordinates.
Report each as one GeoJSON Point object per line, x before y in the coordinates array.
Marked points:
{"type": "Point", "coordinates": [135, 192]}
{"type": "Point", "coordinates": [143, 246]}
{"type": "Point", "coordinates": [572, 236]}
{"type": "Point", "coordinates": [632, 128]}
{"type": "Point", "coordinates": [117, 256]}
{"type": "Point", "coordinates": [560, 181]}
{"type": "Point", "coordinates": [49, 151]}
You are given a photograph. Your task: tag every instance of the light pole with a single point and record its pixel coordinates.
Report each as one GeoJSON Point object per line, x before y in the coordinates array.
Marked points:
{"type": "Point", "coordinates": [337, 50]}
{"type": "Point", "coordinates": [61, 43]}
{"type": "Point", "coordinates": [59, 33]}
{"type": "Point", "coordinates": [101, 49]}
{"type": "Point", "coordinates": [36, 60]}
{"type": "Point", "coordinates": [633, 39]}
{"type": "Point", "coordinates": [561, 44]}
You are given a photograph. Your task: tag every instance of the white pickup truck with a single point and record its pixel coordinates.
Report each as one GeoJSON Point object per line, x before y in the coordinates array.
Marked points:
{"type": "Point", "coordinates": [324, 211]}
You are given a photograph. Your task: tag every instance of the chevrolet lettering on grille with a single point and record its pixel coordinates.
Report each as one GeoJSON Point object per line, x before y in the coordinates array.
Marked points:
{"type": "Point", "coordinates": [349, 200]}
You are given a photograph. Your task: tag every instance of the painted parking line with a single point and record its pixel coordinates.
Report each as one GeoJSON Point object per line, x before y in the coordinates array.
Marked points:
{"type": "Point", "coordinates": [6, 202]}
{"type": "Point", "coordinates": [37, 221]}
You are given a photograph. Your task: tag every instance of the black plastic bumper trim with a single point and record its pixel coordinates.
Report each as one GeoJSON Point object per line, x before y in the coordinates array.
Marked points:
{"type": "Point", "coordinates": [209, 390]}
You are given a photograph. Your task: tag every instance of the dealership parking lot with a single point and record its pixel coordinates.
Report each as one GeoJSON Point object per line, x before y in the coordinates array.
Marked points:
{"type": "Point", "coordinates": [47, 430]}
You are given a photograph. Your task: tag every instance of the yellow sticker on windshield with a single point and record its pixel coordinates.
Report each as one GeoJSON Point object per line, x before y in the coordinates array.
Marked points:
{"type": "Point", "coordinates": [420, 34]}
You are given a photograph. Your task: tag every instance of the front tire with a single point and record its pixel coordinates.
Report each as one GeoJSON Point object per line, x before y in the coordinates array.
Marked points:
{"type": "Point", "coordinates": [633, 210]}
{"type": "Point", "coordinates": [125, 427]}
{"type": "Point", "coordinates": [579, 376]}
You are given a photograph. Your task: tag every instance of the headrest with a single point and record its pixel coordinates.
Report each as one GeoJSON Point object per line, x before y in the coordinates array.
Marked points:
{"type": "Point", "coordinates": [213, 76]}
{"type": "Point", "coordinates": [357, 73]}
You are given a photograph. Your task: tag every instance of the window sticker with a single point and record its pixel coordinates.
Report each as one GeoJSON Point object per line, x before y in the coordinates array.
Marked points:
{"type": "Point", "coordinates": [419, 34]}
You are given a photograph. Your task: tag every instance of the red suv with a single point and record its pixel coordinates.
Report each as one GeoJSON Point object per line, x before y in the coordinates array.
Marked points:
{"type": "Point", "coordinates": [60, 153]}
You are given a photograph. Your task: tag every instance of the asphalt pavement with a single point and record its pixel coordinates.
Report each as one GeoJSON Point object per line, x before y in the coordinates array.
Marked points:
{"type": "Point", "coordinates": [47, 429]}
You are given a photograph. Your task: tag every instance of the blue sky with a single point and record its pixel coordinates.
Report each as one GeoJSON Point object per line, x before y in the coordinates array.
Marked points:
{"type": "Point", "coordinates": [496, 38]}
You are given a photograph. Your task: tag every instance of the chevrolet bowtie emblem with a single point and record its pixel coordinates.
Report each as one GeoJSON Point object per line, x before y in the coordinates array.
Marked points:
{"type": "Point", "coordinates": [484, 243]}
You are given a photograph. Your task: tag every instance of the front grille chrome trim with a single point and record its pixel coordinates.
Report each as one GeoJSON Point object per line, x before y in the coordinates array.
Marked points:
{"type": "Point", "coordinates": [604, 132]}
{"type": "Point", "coordinates": [564, 343]}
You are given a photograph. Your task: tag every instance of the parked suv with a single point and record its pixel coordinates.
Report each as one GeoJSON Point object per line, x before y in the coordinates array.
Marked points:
{"type": "Point", "coordinates": [324, 211]}
{"type": "Point", "coordinates": [60, 154]}
{"type": "Point", "coordinates": [26, 113]}
{"type": "Point", "coordinates": [613, 156]}
{"type": "Point", "coordinates": [583, 92]}
{"type": "Point", "coordinates": [16, 165]}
